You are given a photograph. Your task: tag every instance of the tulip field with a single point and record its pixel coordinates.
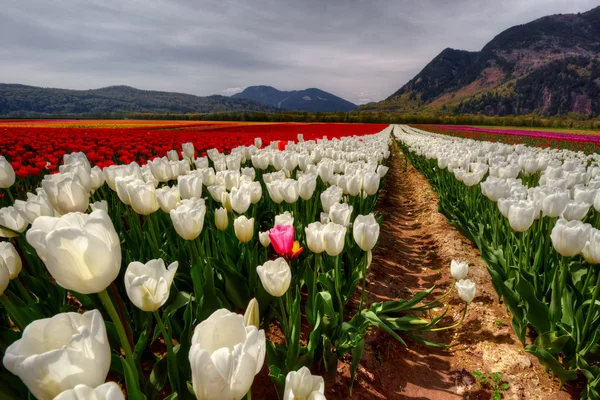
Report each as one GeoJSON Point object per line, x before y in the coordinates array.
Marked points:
{"type": "Point", "coordinates": [148, 260]}
{"type": "Point", "coordinates": [183, 259]}
{"type": "Point", "coordinates": [535, 215]}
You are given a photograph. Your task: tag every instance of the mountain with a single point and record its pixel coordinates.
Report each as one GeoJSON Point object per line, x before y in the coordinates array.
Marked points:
{"type": "Point", "coordinates": [311, 100]}
{"type": "Point", "coordinates": [549, 66]}
{"type": "Point", "coordinates": [18, 99]}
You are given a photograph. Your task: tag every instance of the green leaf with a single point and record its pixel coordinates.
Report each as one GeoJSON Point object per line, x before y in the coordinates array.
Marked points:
{"type": "Point", "coordinates": [131, 383]}
{"type": "Point", "coordinates": [357, 353]}
{"type": "Point", "coordinates": [536, 311]}
{"type": "Point", "coordinates": [549, 361]}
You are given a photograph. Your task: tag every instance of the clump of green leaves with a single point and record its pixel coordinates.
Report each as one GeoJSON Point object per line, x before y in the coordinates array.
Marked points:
{"type": "Point", "coordinates": [492, 382]}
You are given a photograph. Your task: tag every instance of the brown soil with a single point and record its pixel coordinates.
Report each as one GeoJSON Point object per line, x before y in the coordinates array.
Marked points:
{"type": "Point", "coordinates": [416, 245]}
{"type": "Point", "coordinates": [415, 248]}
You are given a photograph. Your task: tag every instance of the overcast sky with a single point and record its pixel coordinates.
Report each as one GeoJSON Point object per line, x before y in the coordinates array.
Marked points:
{"type": "Point", "coordinates": [360, 50]}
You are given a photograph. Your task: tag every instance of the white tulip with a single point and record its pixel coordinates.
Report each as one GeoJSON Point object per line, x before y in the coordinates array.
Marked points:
{"type": "Point", "coordinates": [80, 172]}
{"type": "Point", "coordinates": [4, 278]}
{"type": "Point", "coordinates": [307, 184]}
{"type": "Point", "coordinates": [301, 385]}
{"type": "Point", "coordinates": [240, 200]}
{"type": "Point", "coordinates": [56, 354]}
{"type": "Point", "coordinates": [142, 197]}
{"type": "Point", "coordinates": [225, 356]}
{"type": "Point", "coordinates": [340, 213]}
{"type": "Point", "coordinates": [252, 314]}
{"type": "Point", "coordinates": [284, 219]}
{"type": "Point", "coordinates": [569, 238]}
{"type": "Point", "coordinates": [81, 251]}
{"type": "Point", "coordinates": [263, 237]}
{"type": "Point", "coordinates": [10, 218]}
{"type": "Point", "coordinates": [554, 204]}
{"type": "Point", "coordinates": [66, 193]}
{"type": "Point", "coordinates": [459, 269]}
{"type": "Point", "coordinates": [148, 285]}
{"type": "Point", "coordinates": [275, 276]}
{"type": "Point", "coordinates": [10, 257]}
{"type": "Point", "coordinates": [7, 174]}
{"type": "Point", "coordinates": [107, 391]}
{"type": "Point", "coordinates": [190, 186]}
{"type": "Point", "coordinates": [466, 290]}
{"type": "Point", "coordinates": [168, 198]}
{"type": "Point", "coordinates": [521, 216]}
{"type": "Point", "coordinates": [244, 228]}
{"type": "Point", "coordinates": [371, 183]}
{"type": "Point", "coordinates": [35, 206]}
{"type": "Point", "coordinates": [575, 210]}
{"type": "Point", "coordinates": [188, 218]}
{"type": "Point", "coordinates": [314, 237]}
{"type": "Point", "coordinates": [97, 178]}
{"type": "Point", "coordinates": [221, 219]}
{"type": "Point", "coordinates": [172, 155]}
{"type": "Point", "coordinates": [330, 196]}
{"type": "Point", "coordinates": [382, 170]}
{"type": "Point", "coordinates": [333, 238]}
{"type": "Point", "coordinates": [365, 230]}
{"type": "Point", "coordinates": [188, 150]}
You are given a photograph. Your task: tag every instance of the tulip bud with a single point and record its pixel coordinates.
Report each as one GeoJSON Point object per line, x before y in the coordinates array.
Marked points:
{"type": "Point", "coordinates": [301, 385]}
{"type": "Point", "coordinates": [172, 155]}
{"type": "Point", "coordinates": [97, 178]}
{"type": "Point", "coordinates": [240, 200]}
{"type": "Point", "coordinates": [70, 349]}
{"type": "Point", "coordinates": [7, 174]}
{"type": "Point", "coordinates": [168, 198]}
{"type": "Point", "coordinates": [353, 184]}
{"type": "Point", "coordinates": [147, 285]}
{"type": "Point", "coordinates": [459, 269]}
{"type": "Point", "coordinates": [274, 192]}
{"type": "Point", "coordinates": [11, 258]}
{"type": "Point", "coordinates": [569, 238]}
{"type": "Point", "coordinates": [107, 391]}
{"type": "Point", "coordinates": [142, 197]}
{"type": "Point", "coordinates": [252, 314]}
{"type": "Point", "coordinates": [244, 228]}
{"type": "Point", "coordinates": [222, 343]}
{"type": "Point", "coordinates": [221, 219]}
{"type": "Point", "coordinates": [365, 230]}
{"type": "Point", "coordinates": [466, 290]}
{"type": "Point", "coordinates": [188, 218]}
{"type": "Point", "coordinates": [314, 237]}
{"type": "Point", "coordinates": [263, 237]}
{"type": "Point", "coordinates": [11, 219]}
{"type": "Point", "coordinates": [275, 276]}
{"type": "Point", "coordinates": [371, 183]}
{"type": "Point", "coordinates": [333, 238]}
{"type": "Point", "coordinates": [307, 184]}
{"type": "Point", "coordinates": [188, 150]}
{"type": "Point", "coordinates": [382, 170]}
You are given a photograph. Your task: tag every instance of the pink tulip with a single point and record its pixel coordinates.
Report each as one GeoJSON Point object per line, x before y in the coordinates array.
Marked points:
{"type": "Point", "coordinates": [282, 239]}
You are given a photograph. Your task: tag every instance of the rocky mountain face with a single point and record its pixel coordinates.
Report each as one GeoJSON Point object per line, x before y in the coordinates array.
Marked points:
{"type": "Point", "coordinates": [311, 100]}
{"type": "Point", "coordinates": [549, 66]}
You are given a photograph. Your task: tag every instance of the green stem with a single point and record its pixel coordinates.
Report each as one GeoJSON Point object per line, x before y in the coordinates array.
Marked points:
{"type": "Point", "coordinates": [154, 240]}
{"type": "Point", "coordinates": [284, 323]}
{"type": "Point", "coordinates": [454, 325]}
{"type": "Point", "coordinates": [172, 362]}
{"type": "Point", "coordinates": [10, 196]}
{"type": "Point", "coordinates": [591, 311]}
{"type": "Point", "coordinates": [13, 313]}
{"type": "Point", "coordinates": [23, 291]}
{"type": "Point", "coordinates": [442, 297]}
{"type": "Point", "coordinates": [112, 312]}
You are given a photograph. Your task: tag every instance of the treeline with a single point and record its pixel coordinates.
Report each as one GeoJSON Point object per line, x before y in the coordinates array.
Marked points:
{"type": "Point", "coordinates": [569, 121]}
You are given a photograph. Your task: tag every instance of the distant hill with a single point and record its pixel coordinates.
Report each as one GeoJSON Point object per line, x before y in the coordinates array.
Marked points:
{"type": "Point", "coordinates": [549, 66]}
{"type": "Point", "coordinates": [311, 100]}
{"type": "Point", "coordinates": [16, 99]}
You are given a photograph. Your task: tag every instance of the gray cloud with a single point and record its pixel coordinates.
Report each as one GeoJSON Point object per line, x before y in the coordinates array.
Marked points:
{"type": "Point", "coordinates": [360, 50]}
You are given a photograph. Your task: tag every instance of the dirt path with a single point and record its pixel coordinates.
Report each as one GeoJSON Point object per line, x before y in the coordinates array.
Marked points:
{"type": "Point", "coordinates": [415, 249]}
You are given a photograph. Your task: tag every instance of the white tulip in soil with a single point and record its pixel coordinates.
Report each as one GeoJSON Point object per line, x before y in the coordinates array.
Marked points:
{"type": "Point", "coordinates": [225, 356]}
{"type": "Point", "coordinates": [301, 385]}
{"type": "Point", "coordinates": [81, 251]}
{"type": "Point", "coordinates": [459, 269]}
{"type": "Point", "coordinates": [56, 354]}
{"type": "Point", "coordinates": [466, 290]}
{"type": "Point", "coordinates": [148, 285]}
